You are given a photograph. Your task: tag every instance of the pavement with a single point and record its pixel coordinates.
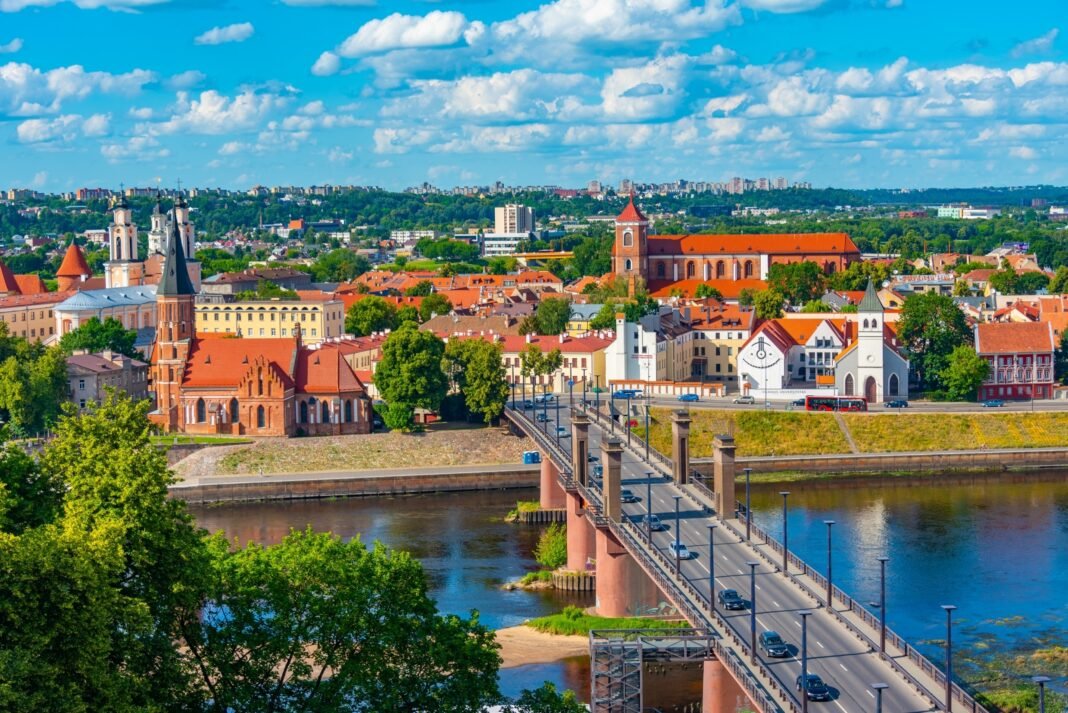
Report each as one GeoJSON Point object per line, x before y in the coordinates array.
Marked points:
{"type": "Point", "coordinates": [921, 406]}
{"type": "Point", "coordinates": [359, 474]}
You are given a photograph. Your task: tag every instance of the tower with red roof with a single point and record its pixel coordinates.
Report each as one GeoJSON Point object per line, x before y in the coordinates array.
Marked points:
{"type": "Point", "coordinates": [175, 330]}
{"type": "Point", "coordinates": [631, 249]}
{"type": "Point", "coordinates": [73, 270]}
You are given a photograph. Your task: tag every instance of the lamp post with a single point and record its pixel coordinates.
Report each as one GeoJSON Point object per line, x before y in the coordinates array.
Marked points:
{"type": "Point", "coordinates": [649, 506]}
{"type": "Point", "coordinates": [752, 609]}
{"type": "Point", "coordinates": [677, 540]}
{"type": "Point", "coordinates": [571, 390]}
{"type": "Point", "coordinates": [949, 655]}
{"type": "Point", "coordinates": [545, 407]}
{"type": "Point", "coordinates": [583, 387]}
{"type": "Point", "coordinates": [879, 688]}
{"type": "Point", "coordinates": [513, 384]}
{"type": "Point", "coordinates": [626, 419]}
{"type": "Point", "coordinates": [785, 538]}
{"type": "Point", "coordinates": [712, 565]}
{"type": "Point", "coordinates": [748, 512]}
{"type": "Point", "coordinates": [804, 614]}
{"type": "Point", "coordinates": [1041, 681]}
{"type": "Point", "coordinates": [830, 587]}
{"type": "Point", "coordinates": [597, 390]}
{"type": "Point", "coordinates": [1034, 375]}
{"type": "Point", "coordinates": [557, 400]}
{"type": "Point", "coordinates": [882, 603]}
{"type": "Point", "coordinates": [647, 427]}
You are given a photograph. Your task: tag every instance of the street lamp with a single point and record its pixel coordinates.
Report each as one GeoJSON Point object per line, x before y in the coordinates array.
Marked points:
{"type": "Point", "coordinates": [949, 655]}
{"type": "Point", "coordinates": [785, 538]}
{"type": "Point", "coordinates": [830, 587]}
{"type": "Point", "coordinates": [752, 609]}
{"type": "Point", "coordinates": [748, 512]}
{"type": "Point", "coordinates": [627, 419]}
{"type": "Point", "coordinates": [597, 390]}
{"type": "Point", "coordinates": [1041, 681]}
{"type": "Point", "coordinates": [677, 540]}
{"type": "Point", "coordinates": [513, 384]}
{"type": "Point", "coordinates": [712, 564]}
{"type": "Point", "coordinates": [882, 602]}
{"type": "Point", "coordinates": [557, 400]}
{"type": "Point", "coordinates": [647, 439]}
{"type": "Point", "coordinates": [804, 614]}
{"type": "Point", "coordinates": [879, 688]}
{"type": "Point", "coordinates": [583, 387]}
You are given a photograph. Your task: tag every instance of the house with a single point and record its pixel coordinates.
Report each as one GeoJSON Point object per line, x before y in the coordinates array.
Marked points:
{"type": "Point", "coordinates": [232, 283]}
{"type": "Point", "coordinates": [872, 366]}
{"type": "Point", "coordinates": [1020, 355]}
{"type": "Point", "coordinates": [89, 374]}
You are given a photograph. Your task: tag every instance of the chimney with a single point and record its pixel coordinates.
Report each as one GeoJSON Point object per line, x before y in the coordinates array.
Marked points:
{"type": "Point", "coordinates": [528, 339]}
{"type": "Point", "coordinates": [563, 337]}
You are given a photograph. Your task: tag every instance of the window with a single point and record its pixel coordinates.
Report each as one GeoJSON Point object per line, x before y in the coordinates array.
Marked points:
{"type": "Point", "coordinates": [303, 411]}
{"type": "Point", "coordinates": [202, 411]}
{"type": "Point", "coordinates": [628, 265]}
{"type": "Point", "coordinates": [660, 270]}
{"type": "Point", "coordinates": [261, 417]}
{"type": "Point", "coordinates": [234, 416]}
{"type": "Point", "coordinates": [748, 268]}
{"type": "Point", "coordinates": [628, 240]}
{"type": "Point", "coordinates": [324, 411]}
{"type": "Point", "coordinates": [721, 270]}
{"type": "Point", "coordinates": [691, 270]}
{"type": "Point", "coordinates": [81, 384]}
{"type": "Point", "coordinates": [348, 411]}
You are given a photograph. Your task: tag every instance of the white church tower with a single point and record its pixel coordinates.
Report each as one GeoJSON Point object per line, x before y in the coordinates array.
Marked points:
{"type": "Point", "coordinates": [123, 269]}
{"type": "Point", "coordinates": [158, 231]}
{"type": "Point", "coordinates": [870, 346]}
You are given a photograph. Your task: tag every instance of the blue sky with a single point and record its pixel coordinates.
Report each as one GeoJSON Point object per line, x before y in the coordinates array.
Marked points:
{"type": "Point", "coordinates": [234, 93]}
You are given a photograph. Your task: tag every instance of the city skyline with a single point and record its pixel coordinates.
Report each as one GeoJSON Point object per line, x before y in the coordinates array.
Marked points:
{"type": "Point", "coordinates": [847, 93]}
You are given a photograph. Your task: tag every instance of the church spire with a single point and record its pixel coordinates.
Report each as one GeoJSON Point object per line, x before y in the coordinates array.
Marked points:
{"type": "Point", "coordinates": [175, 278]}
{"type": "Point", "coordinates": [871, 302]}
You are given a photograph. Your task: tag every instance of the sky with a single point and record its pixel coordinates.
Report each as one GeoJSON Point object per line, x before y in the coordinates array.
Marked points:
{"type": "Point", "coordinates": [235, 93]}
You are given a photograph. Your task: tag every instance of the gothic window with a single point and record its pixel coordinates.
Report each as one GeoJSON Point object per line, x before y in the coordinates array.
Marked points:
{"type": "Point", "coordinates": [202, 411]}
{"type": "Point", "coordinates": [324, 412]}
{"type": "Point", "coordinates": [348, 411]}
{"type": "Point", "coordinates": [748, 269]}
{"type": "Point", "coordinates": [628, 238]}
{"type": "Point", "coordinates": [303, 411]}
{"type": "Point", "coordinates": [721, 270]}
{"type": "Point", "coordinates": [893, 385]}
{"type": "Point", "coordinates": [628, 265]}
{"type": "Point", "coordinates": [849, 385]}
{"type": "Point", "coordinates": [234, 416]}
{"type": "Point", "coordinates": [691, 270]}
{"type": "Point", "coordinates": [261, 417]}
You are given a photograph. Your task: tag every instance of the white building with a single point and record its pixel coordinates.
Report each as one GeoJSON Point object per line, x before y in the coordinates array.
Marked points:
{"type": "Point", "coordinates": [513, 218]}
{"type": "Point", "coordinates": [872, 366]}
{"type": "Point", "coordinates": [633, 354]}
{"type": "Point", "coordinates": [502, 244]}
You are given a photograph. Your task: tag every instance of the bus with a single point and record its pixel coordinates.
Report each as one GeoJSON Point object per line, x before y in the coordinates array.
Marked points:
{"type": "Point", "coordinates": [835, 403]}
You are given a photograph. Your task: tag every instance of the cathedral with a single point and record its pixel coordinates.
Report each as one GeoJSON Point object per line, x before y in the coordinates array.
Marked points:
{"type": "Point", "coordinates": [124, 269]}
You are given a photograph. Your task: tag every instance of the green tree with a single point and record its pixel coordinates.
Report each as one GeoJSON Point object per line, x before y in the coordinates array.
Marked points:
{"type": "Point", "coordinates": [964, 373]}
{"type": "Point", "coordinates": [267, 290]}
{"type": "Point", "coordinates": [409, 373]}
{"type": "Point", "coordinates": [931, 327]}
{"type": "Point", "coordinates": [420, 289]}
{"type": "Point", "coordinates": [605, 317]}
{"type": "Point", "coordinates": [1004, 281]}
{"type": "Point", "coordinates": [546, 699]}
{"type": "Point", "coordinates": [1060, 362]}
{"type": "Point", "coordinates": [534, 363]}
{"type": "Point", "coordinates": [552, 315]}
{"type": "Point", "coordinates": [32, 497]}
{"type": "Point", "coordinates": [798, 282]}
{"type": "Point", "coordinates": [435, 304]}
{"type": "Point", "coordinates": [551, 550]}
{"type": "Point", "coordinates": [768, 304]}
{"type": "Point", "coordinates": [97, 336]}
{"type": "Point", "coordinates": [370, 314]}
{"type": "Point", "coordinates": [1031, 282]}
{"type": "Point", "coordinates": [408, 313]}
{"type": "Point", "coordinates": [339, 265]}
{"type": "Point", "coordinates": [639, 307]}
{"type": "Point", "coordinates": [33, 383]}
{"type": "Point", "coordinates": [1059, 284]}
{"type": "Point", "coordinates": [815, 306]}
{"type": "Point", "coordinates": [706, 290]}
{"type": "Point", "coordinates": [746, 297]}
{"type": "Point", "coordinates": [477, 369]}
{"type": "Point", "coordinates": [335, 626]}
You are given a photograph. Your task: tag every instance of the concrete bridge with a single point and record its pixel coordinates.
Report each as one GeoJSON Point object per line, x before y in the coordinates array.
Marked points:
{"type": "Point", "coordinates": [589, 460]}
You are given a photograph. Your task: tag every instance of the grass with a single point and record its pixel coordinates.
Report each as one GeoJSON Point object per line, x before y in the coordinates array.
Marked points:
{"type": "Point", "coordinates": [932, 432]}
{"type": "Point", "coordinates": [573, 621]}
{"type": "Point", "coordinates": [756, 433]}
{"type": "Point", "coordinates": [542, 575]}
{"type": "Point", "coordinates": [522, 506]}
{"type": "Point", "coordinates": [198, 440]}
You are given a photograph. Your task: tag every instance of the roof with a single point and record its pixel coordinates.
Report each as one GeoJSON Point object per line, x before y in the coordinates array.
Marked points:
{"type": "Point", "coordinates": [980, 275]}
{"type": "Point", "coordinates": [324, 370]}
{"type": "Point", "coordinates": [630, 213]}
{"type": "Point", "coordinates": [41, 298]}
{"type": "Point", "coordinates": [513, 344]}
{"type": "Point", "coordinates": [871, 302]}
{"type": "Point", "coordinates": [224, 362]}
{"type": "Point", "coordinates": [97, 363]}
{"type": "Point", "coordinates": [730, 289]}
{"type": "Point", "coordinates": [8, 283]}
{"type": "Point", "coordinates": [253, 273]}
{"type": "Point", "coordinates": [462, 324]}
{"type": "Point", "coordinates": [108, 297]}
{"type": "Point", "coordinates": [1013, 337]}
{"type": "Point", "coordinates": [767, 243]}
{"type": "Point", "coordinates": [74, 264]}
{"type": "Point", "coordinates": [31, 284]}
{"type": "Point", "coordinates": [175, 279]}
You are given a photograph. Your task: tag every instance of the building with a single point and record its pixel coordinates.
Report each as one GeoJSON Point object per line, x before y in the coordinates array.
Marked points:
{"type": "Point", "coordinates": [1020, 355]}
{"type": "Point", "coordinates": [232, 283]}
{"type": "Point", "coordinates": [872, 366]}
{"type": "Point", "coordinates": [31, 317]}
{"type": "Point", "coordinates": [660, 260]}
{"type": "Point", "coordinates": [502, 244]}
{"type": "Point", "coordinates": [74, 271]}
{"type": "Point", "coordinates": [271, 319]}
{"type": "Point", "coordinates": [720, 331]}
{"type": "Point", "coordinates": [135, 307]}
{"type": "Point", "coordinates": [124, 267]}
{"type": "Point", "coordinates": [583, 361]}
{"type": "Point", "coordinates": [513, 219]}
{"type": "Point", "coordinates": [90, 374]}
{"type": "Point", "coordinates": [12, 284]}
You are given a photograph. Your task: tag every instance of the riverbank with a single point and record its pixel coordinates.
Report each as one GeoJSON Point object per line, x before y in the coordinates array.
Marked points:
{"type": "Point", "coordinates": [522, 646]}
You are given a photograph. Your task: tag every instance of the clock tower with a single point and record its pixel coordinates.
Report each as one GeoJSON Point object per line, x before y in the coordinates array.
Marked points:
{"type": "Point", "coordinates": [870, 346]}
{"type": "Point", "coordinates": [630, 252]}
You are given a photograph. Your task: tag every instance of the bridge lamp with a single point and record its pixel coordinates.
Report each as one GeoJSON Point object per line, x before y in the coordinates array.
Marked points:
{"type": "Point", "coordinates": [830, 589]}
{"type": "Point", "coordinates": [1041, 681]}
{"type": "Point", "coordinates": [752, 608]}
{"type": "Point", "coordinates": [804, 614]}
{"type": "Point", "coordinates": [879, 688]}
{"type": "Point", "coordinates": [949, 655]}
{"type": "Point", "coordinates": [785, 537]}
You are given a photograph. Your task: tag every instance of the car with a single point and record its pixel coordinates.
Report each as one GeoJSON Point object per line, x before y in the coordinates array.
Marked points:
{"type": "Point", "coordinates": [562, 432]}
{"type": "Point", "coordinates": [745, 399]}
{"type": "Point", "coordinates": [681, 551]}
{"type": "Point", "coordinates": [541, 418]}
{"type": "Point", "coordinates": [689, 397]}
{"type": "Point", "coordinates": [527, 403]}
{"type": "Point", "coordinates": [593, 459]}
{"type": "Point", "coordinates": [623, 394]}
{"type": "Point", "coordinates": [797, 402]}
{"type": "Point", "coordinates": [993, 403]}
{"type": "Point", "coordinates": [773, 645]}
{"type": "Point", "coordinates": [730, 599]}
{"type": "Point", "coordinates": [815, 688]}
{"type": "Point", "coordinates": [627, 496]}
{"type": "Point", "coordinates": [897, 403]}
{"type": "Point", "coordinates": [652, 522]}
{"type": "Point", "coordinates": [544, 399]}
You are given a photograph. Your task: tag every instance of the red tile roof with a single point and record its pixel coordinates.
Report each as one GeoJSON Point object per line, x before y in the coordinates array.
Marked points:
{"type": "Point", "coordinates": [730, 289]}
{"type": "Point", "coordinates": [8, 283]}
{"type": "Point", "coordinates": [74, 264]}
{"type": "Point", "coordinates": [31, 284]}
{"type": "Point", "coordinates": [752, 244]}
{"type": "Point", "coordinates": [224, 362]}
{"type": "Point", "coordinates": [631, 214]}
{"type": "Point", "coordinates": [324, 370]}
{"type": "Point", "coordinates": [1013, 338]}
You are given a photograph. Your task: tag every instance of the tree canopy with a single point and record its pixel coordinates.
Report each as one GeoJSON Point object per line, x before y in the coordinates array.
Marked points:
{"type": "Point", "coordinates": [33, 383]}
{"type": "Point", "coordinates": [477, 370]}
{"type": "Point", "coordinates": [964, 373]}
{"type": "Point", "coordinates": [768, 304]}
{"type": "Point", "coordinates": [931, 327]}
{"type": "Point", "coordinates": [339, 265]}
{"type": "Point", "coordinates": [797, 282]}
{"type": "Point", "coordinates": [435, 304]}
{"type": "Point", "coordinates": [97, 336]}
{"type": "Point", "coordinates": [410, 374]}
{"type": "Point", "coordinates": [370, 314]}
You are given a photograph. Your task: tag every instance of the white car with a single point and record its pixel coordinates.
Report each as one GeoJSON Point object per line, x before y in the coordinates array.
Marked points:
{"type": "Point", "coordinates": [681, 551]}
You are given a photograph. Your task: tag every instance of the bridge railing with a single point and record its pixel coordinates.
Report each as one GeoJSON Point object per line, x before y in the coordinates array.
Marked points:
{"type": "Point", "coordinates": [893, 639]}
{"type": "Point", "coordinates": [608, 422]}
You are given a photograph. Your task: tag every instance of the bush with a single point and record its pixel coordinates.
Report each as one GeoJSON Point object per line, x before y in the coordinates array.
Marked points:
{"type": "Point", "coordinates": [551, 551]}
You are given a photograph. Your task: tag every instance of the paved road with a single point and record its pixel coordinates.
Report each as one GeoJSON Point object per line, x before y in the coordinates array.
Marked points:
{"type": "Point", "coordinates": [837, 656]}
{"type": "Point", "coordinates": [914, 406]}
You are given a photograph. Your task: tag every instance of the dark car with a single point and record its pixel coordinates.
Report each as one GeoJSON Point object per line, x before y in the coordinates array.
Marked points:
{"type": "Point", "coordinates": [541, 418]}
{"type": "Point", "coordinates": [527, 403]}
{"type": "Point", "coordinates": [773, 645]}
{"type": "Point", "coordinates": [730, 600]}
{"type": "Point", "coordinates": [593, 459]}
{"type": "Point", "coordinates": [627, 496]}
{"type": "Point", "coordinates": [653, 523]}
{"type": "Point", "coordinates": [897, 403]}
{"type": "Point", "coordinates": [797, 402]}
{"type": "Point", "coordinates": [993, 403]}
{"type": "Point", "coordinates": [815, 688]}
{"type": "Point", "coordinates": [562, 432]}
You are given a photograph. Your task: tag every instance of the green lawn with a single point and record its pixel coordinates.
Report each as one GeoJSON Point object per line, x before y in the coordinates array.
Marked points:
{"type": "Point", "coordinates": [932, 432]}
{"type": "Point", "coordinates": [573, 621]}
{"type": "Point", "coordinates": [199, 440]}
{"type": "Point", "coordinates": [756, 433]}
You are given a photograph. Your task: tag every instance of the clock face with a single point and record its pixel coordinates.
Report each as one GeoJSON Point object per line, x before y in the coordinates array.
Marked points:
{"type": "Point", "coordinates": [762, 358]}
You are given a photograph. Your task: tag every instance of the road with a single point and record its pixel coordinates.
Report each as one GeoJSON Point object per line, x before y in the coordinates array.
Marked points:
{"type": "Point", "coordinates": [837, 656]}
{"type": "Point", "coordinates": [914, 406]}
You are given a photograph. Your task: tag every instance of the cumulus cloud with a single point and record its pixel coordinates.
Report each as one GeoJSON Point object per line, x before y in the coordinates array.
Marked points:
{"type": "Point", "coordinates": [10, 47]}
{"type": "Point", "coordinates": [61, 128]}
{"type": "Point", "coordinates": [97, 125]}
{"type": "Point", "coordinates": [26, 90]}
{"type": "Point", "coordinates": [1039, 45]}
{"type": "Point", "coordinates": [237, 32]}
{"type": "Point", "coordinates": [650, 91]}
{"type": "Point", "coordinates": [327, 64]}
{"type": "Point", "coordinates": [784, 6]}
{"type": "Point", "coordinates": [322, 3]}
{"type": "Point", "coordinates": [186, 80]}
{"type": "Point", "coordinates": [118, 5]}
{"type": "Point", "coordinates": [215, 113]}
{"type": "Point", "coordinates": [398, 31]}
{"type": "Point", "coordinates": [137, 148]}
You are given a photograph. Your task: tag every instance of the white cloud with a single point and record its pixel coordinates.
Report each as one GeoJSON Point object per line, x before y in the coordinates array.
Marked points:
{"type": "Point", "coordinates": [724, 105]}
{"type": "Point", "coordinates": [61, 128]}
{"type": "Point", "coordinates": [137, 148]}
{"type": "Point", "coordinates": [237, 32]}
{"type": "Point", "coordinates": [771, 133]}
{"type": "Point", "coordinates": [118, 5]}
{"type": "Point", "coordinates": [647, 92]}
{"type": "Point", "coordinates": [1039, 45]}
{"type": "Point", "coordinates": [97, 125]}
{"type": "Point", "coordinates": [400, 140]}
{"type": "Point", "coordinates": [26, 90]}
{"type": "Point", "coordinates": [784, 6]}
{"type": "Point", "coordinates": [39, 179]}
{"type": "Point", "coordinates": [186, 80]}
{"type": "Point", "coordinates": [397, 31]}
{"type": "Point", "coordinates": [324, 3]}
{"type": "Point", "coordinates": [314, 108]}
{"type": "Point", "coordinates": [497, 139]}
{"type": "Point", "coordinates": [1023, 152]}
{"type": "Point", "coordinates": [13, 46]}
{"type": "Point", "coordinates": [327, 64]}
{"type": "Point", "coordinates": [141, 112]}
{"type": "Point", "coordinates": [338, 155]}
{"type": "Point", "coordinates": [214, 113]}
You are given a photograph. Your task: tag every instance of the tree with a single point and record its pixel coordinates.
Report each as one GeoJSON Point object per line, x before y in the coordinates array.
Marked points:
{"type": "Point", "coordinates": [32, 497]}
{"type": "Point", "coordinates": [768, 304]}
{"type": "Point", "coordinates": [553, 314]}
{"type": "Point", "coordinates": [33, 383]}
{"type": "Point", "coordinates": [816, 306]}
{"type": "Point", "coordinates": [746, 297]}
{"type": "Point", "coordinates": [605, 317]}
{"type": "Point", "coordinates": [267, 290]}
{"type": "Point", "coordinates": [1004, 281]}
{"type": "Point", "coordinates": [706, 290]}
{"type": "Point", "coordinates": [335, 626]}
{"type": "Point", "coordinates": [798, 282]}
{"type": "Point", "coordinates": [1060, 362]}
{"type": "Point", "coordinates": [1031, 282]}
{"type": "Point", "coordinates": [963, 374]}
{"type": "Point", "coordinates": [639, 307]}
{"type": "Point", "coordinates": [97, 336]}
{"type": "Point", "coordinates": [409, 374]}
{"type": "Point", "coordinates": [477, 368]}
{"type": "Point", "coordinates": [546, 699]}
{"type": "Point", "coordinates": [407, 313]}
{"type": "Point", "coordinates": [1059, 284]}
{"type": "Point", "coordinates": [340, 265]}
{"type": "Point", "coordinates": [420, 289]}
{"type": "Point", "coordinates": [931, 327]}
{"type": "Point", "coordinates": [435, 304]}
{"type": "Point", "coordinates": [533, 362]}
{"type": "Point", "coordinates": [551, 550]}
{"type": "Point", "coordinates": [370, 314]}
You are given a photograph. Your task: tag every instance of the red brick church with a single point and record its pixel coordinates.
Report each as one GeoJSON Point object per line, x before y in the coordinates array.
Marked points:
{"type": "Point", "coordinates": [257, 387]}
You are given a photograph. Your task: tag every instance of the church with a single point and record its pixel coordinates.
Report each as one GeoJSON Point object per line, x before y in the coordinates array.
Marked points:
{"type": "Point", "coordinates": [124, 268]}
{"type": "Point", "coordinates": [256, 387]}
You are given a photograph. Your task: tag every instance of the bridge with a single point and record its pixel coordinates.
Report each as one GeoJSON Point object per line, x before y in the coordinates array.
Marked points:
{"type": "Point", "coordinates": [609, 479]}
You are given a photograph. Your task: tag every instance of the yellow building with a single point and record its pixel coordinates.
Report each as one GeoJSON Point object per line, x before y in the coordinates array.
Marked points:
{"type": "Point", "coordinates": [264, 319]}
{"type": "Point", "coordinates": [31, 316]}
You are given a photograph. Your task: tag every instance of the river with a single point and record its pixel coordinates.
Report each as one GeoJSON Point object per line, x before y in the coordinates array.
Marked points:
{"type": "Point", "coordinates": [999, 551]}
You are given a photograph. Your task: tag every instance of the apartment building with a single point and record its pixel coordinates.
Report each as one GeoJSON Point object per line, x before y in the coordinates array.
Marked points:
{"type": "Point", "coordinates": [317, 320]}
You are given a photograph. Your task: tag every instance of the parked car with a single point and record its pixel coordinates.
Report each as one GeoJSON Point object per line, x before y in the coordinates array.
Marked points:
{"type": "Point", "coordinates": [562, 432]}
{"type": "Point", "coordinates": [815, 688]}
{"type": "Point", "coordinates": [653, 523]}
{"type": "Point", "coordinates": [993, 403]}
{"type": "Point", "coordinates": [730, 599]}
{"type": "Point", "coordinates": [689, 397]}
{"type": "Point", "coordinates": [623, 394]}
{"type": "Point", "coordinates": [593, 459]}
{"type": "Point", "coordinates": [527, 403]}
{"type": "Point", "coordinates": [681, 551]}
{"type": "Point", "coordinates": [773, 644]}
{"type": "Point", "coordinates": [745, 399]}
{"type": "Point", "coordinates": [627, 496]}
{"type": "Point", "coordinates": [797, 402]}
{"type": "Point", "coordinates": [541, 418]}
{"type": "Point", "coordinates": [897, 403]}
{"type": "Point", "coordinates": [544, 398]}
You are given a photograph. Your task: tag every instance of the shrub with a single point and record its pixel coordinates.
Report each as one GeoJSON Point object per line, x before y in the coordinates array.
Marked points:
{"type": "Point", "coordinates": [551, 551]}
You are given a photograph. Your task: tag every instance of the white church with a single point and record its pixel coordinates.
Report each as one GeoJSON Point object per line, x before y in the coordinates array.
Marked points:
{"type": "Point", "coordinates": [124, 268]}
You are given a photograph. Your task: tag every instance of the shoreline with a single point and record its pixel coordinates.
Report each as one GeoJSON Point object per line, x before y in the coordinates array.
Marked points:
{"type": "Point", "coordinates": [524, 646]}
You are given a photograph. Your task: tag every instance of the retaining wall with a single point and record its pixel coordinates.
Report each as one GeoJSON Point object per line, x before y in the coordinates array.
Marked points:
{"type": "Point", "coordinates": [901, 462]}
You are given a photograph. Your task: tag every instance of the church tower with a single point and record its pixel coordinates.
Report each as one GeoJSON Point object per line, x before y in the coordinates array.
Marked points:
{"type": "Point", "coordinates": [157, 234]}
{"type": "Point", "coordinates": [122, 268]}
{"type": "Point", "coordinates": [188, 238]}
{"type": "Point", "coordinates": [870, 346]}
{"type": "Point", "coordinates": [630, 252]}
{"type": "Point", "coordinates": [175, 325]}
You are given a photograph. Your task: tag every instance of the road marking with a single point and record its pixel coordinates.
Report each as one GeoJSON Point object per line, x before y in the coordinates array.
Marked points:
{"type": "Point", "coordinates": [843, 667]}
{"type": "Point", "coordinates": [820, 645]}
{"type": "Point", "coordinates": [840, 707]}
{"type": "Point", "coordinates": [797, 625]}
{"type": "Point", "coordinates": [871, 694]}
{"type": "Point", "coordinates": [775, 602]}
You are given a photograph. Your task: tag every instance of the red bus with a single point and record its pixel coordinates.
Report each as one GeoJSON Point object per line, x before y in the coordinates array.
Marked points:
{"type": "Point", "coordinates": [835, 403]}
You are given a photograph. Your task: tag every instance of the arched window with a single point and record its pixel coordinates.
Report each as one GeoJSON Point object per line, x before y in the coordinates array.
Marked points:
{"type": "Point", "coordinates": [748, 269]}
{"type": "Point", "coordinates": [721, 270]}
{"type": "Point", "coordinates": [628, 265]}
{"type": "Point", "coordinates": [691, 270]}
{"type": "Point", "coordinates": [234, 415]}
{"type": "Point", "coordinates": [202, 411]}
{"type": "Point", "coordinates": [849, 385]}
{"type": "Point", "coordinates": [660, 269]}
{"type": "Point", "coordinates": [303, 411]}
{"type": "Point", "coordinates": [324, 412]}
{"type": "Point", "coordinates": [628, 238]}
{"type": "Point", "coordinates": [865, 324]}
{"type": "Point", "coordinates": [259, 379]}
{"type": "Point", "coordinates": [348, 411]}
{"type": "Point", "coordinates": [261, 417]}
{"type": "Point", "coordinates": [893, 385]}
{"type": "Point", "coordinates": [830, 268]}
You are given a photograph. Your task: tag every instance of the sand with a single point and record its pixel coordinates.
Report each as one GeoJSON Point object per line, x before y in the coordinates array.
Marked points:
{"type": "Point", "coordinates": [521, 645]}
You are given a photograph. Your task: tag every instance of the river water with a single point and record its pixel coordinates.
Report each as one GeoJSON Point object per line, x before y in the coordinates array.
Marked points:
{"type": "Point", "coordinates": [999, 551]}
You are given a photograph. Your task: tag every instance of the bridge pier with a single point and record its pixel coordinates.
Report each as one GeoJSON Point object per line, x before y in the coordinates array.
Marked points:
{"type": "Point", "coordinates": [581, 542]}
{"type": "Point", "coordinates": [551, 494]}
{"type": "Point", "coordinates": [720, 693]}
{"type": "Point", "coordinates": [723, 476]}
{"type": "Point", "coordinates": [680, 446]}
{"type": "Point", "coordinates": [623, 588]}
{"type": "Point", "coordinates": [580, 447]}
